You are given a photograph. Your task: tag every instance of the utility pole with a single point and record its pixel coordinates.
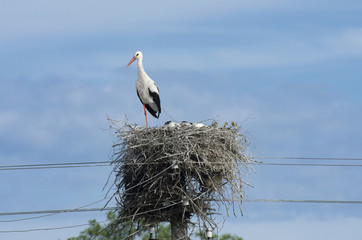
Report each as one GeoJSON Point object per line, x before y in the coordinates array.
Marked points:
{"type": "Point", "coordinates": [178, 221]}
{"type": "Point", "coordinates": [178, 228]}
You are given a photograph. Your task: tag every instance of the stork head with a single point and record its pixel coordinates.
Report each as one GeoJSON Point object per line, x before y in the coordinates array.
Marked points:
{"type": "Point", "coordinates": [137, 55]}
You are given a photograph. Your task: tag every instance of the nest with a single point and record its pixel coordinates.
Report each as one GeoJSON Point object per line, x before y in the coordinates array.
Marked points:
{"type": "Point", "coordinates": [178, 172]}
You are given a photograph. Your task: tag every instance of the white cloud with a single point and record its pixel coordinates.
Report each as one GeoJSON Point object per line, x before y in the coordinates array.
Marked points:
{"type": "Point", "coordinates": [7, 119]}
{"type": "Point", "coordinates": [35, 18]}
{"type": "Point", "coordinates": [284, 52]}
{"type": "Point", "coordinates": [280, 51]}
{"type": "Point", "coordinates": [265, 48]}
{"type": "Point", "coordinates": [347, 42]}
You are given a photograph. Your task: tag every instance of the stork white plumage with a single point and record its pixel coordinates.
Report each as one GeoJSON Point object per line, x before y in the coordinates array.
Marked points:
{"type": "Point", "coordinates": [147, 90]}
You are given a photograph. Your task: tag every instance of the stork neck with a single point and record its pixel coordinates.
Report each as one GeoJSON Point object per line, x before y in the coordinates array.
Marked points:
{"type": "Point", "coordinates": [141, 71]}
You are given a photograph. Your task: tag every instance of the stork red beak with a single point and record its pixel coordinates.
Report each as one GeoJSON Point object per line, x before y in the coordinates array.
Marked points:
{"type": "Point", "coordinates": [134, 58]}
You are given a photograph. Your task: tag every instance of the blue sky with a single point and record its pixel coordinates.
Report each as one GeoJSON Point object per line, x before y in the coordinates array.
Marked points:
{"type": "Point", "coordinates": [287, 71]}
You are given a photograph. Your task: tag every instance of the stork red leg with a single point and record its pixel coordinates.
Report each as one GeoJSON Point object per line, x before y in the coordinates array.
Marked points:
{"type": "Point", "coordinates": [144, 107]}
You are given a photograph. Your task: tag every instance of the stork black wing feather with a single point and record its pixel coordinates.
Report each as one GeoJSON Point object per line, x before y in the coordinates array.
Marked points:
{"type": "Point", "coordinates": [156, 99]}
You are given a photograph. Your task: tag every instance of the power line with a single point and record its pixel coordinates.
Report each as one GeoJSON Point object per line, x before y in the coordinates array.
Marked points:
{"type": "Point", "coordinates": [312, 158]}
{"type": "Point", "coordinates": [244, 200]}
{"type": "Point", "coordinates": [309, 164]}
{"type": "Point", "coordinates": [96, 164]}
{"type": "Point", "coordinates": [54, 165]}
{"type": "Point", "coordinates": [302, 201]}
{"type": "Point", "coordinates": [106, 163]}
{"type": "Point", "coordinates": [57, 211]}
{"type": "Point", "coordinates": [53, 213]}
{"type": "Point", "coordinates": [49, 167]}
{"type": "Point", "coordinates": [48, 229]}
{"type": "Point", "coordinates": [114, 208]}
{"type": "Point", "coordinates": [75, 210]}
{"type": "Point", "coordinates": [109, 162]}
{"type": "Point", "coordinates": [84, 210]}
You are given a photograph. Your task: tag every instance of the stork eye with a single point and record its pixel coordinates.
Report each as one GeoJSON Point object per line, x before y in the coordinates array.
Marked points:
{"type": "Point", "coordinates": [137, 54]}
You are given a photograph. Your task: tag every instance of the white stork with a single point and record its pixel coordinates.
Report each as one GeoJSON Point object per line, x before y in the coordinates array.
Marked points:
{"type": "Point", "coordinates": [147, 90]}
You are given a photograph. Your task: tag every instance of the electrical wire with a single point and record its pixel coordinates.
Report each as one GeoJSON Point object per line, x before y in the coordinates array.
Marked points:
{"type": "Point", "coordinates": [29, 218]}
{"type": "Point", "coordinates": [52, 213]}
{"type": "Point", "coordinates": [308, 164]}
{"type": "Point", "coordinates": [244, 200]}
{"type": "Point", "coordinates": [108, 163]}
{"type": "Point", "coordinates": [302, 201]}
{"type": "Point", "coordinates": [311, 158]}
{"type": "Point", "coordinates": [54, 165]}
{"type": "Point", "coordinates": [71, 164]}
{"type": "Point", "coordinates": [74, 210]}
{"type": "Point", "coordinates": [55, 211]}
{"type": "Point", "coordinates": [114, 208]}
{"type": "Point", "coordinates": [48, 229]}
